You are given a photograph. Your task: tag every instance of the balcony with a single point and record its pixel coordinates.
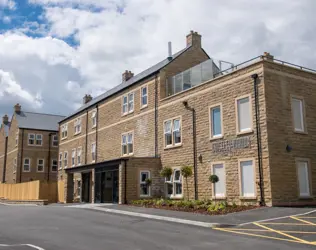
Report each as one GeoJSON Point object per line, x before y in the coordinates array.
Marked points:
{"type": "Point", "coordinates": [191, 77]}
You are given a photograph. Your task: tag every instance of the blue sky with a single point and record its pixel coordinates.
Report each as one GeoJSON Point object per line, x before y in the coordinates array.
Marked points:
{"type": "Point", "coordinates": [53, 52]}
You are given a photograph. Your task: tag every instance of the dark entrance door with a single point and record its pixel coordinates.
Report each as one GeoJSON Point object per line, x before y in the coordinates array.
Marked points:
{"type": "Point", "coordinates": [85, 191]}
{"type": "Point", "coordinates": [106, 186]}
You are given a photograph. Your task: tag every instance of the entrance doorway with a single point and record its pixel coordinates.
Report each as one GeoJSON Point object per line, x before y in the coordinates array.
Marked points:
{"type": "Point", "coordinates": [106, 186]}
{"type": "Point", "coordinates": [85, 191]}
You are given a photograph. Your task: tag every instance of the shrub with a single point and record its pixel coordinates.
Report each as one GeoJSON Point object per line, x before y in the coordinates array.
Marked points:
{"type": "Point", "coordinates": [213, 178]}
{"type": "Point", "coordinates": [166, 172]}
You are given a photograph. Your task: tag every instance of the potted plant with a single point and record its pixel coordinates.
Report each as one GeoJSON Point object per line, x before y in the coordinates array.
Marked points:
{"type": "Point", "coordinates": [213, 179]}
{"type": "Point", "coordinates": [186, 171]}
{"type": "Point", "coordinates": [148, 181]}
{"type": "Point", "coordinates": [166, 172]}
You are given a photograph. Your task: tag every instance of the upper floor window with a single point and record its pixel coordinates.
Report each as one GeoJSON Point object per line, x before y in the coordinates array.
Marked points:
{"type": "Point", "coordinates": [94, 119]}
{"type": "Point", "coordinates": [60, 160]}
{"type": "Point", "coordinates": [31, 139]}
{"type": "Point", "coordinates": [298, 114]}
{"type": "Point", "coordinates": [216, 121]}
{"type": "Point", "coordinates": [65, 159]}
{"type": "Point", "coordinates": [244, 115]}
{"type": "Point", "coordinates": [172, 132]}
{"type": "Point", "coordinates": [55, 141]}
{"type": "Point", "coordinates": [128, 103]}
{"type": "Point", "coordinates": [73, 157]}
{"type": "Point", "coordinates": [144, 97]}
{"type": "Point", "coordinates": [40, 165]}
{"type": "Point", "coordinates": [127, 144]}
{"type": "Point", "coordinates": [16, 138]}
{"type": "Point", "coordinates": [54, 165]}
{"type": "Point", "coordinates": [39, 140]}
{"type": "Point", "coordinates": [77, 125]}
{"type": "Point", "coordinates": [79, 156]}
{"type": "Point", "coordinates": [14, 165]}
{"type": "Point", "coordinates": [64, 131]}
{"type": "Point", "coordinates": [93, 149]}
{"type": "Point", "coordinates": [27, 165]}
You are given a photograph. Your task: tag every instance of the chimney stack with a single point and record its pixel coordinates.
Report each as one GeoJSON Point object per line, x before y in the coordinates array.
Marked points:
{"type": "Point", "coordinates": [17, 108]}
{"type": "Point", "coordinates": [127, 75]}
{"type": "Point", "coordinates": [5, 119]}
{"type": "Point", "coordinates": [169, 50]}
{"type": "Point", "coordinates": [194, 39]}
{"type": "Point", "coordinates": [86, 98]}
{"type": "Point", "coordinates": [268, 56]}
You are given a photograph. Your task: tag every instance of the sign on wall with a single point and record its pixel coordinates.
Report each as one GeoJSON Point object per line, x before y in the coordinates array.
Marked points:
{"type": "Point", "coordinates": [231, 146]}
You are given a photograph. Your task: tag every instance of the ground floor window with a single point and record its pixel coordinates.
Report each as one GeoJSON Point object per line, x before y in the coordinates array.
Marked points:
{"type": "Point", "coordinates": [174, 184]}
{"type": "Point", "coordinates": [54, 165]}
{"type": "Point", "coordinates": [247, 176]}
{"type": "Point", "coordinates": [78, 187]}
{"type": "Point", "coordinates": [220, 186]}
{"type": "Point", "coordinates": [144, 185]}
{"type": "Point", "coordinates": [27, 165]}
{"type": "Point", "coordinates": [40, 165]}
{"type": "Point", "coordinates": [303, 178]}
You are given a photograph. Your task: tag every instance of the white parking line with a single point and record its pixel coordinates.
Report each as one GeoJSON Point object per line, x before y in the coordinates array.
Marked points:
{"type": "Point", "coordinates": [277, 218]}
{"type": "Point", "coordinates": [19, 245]}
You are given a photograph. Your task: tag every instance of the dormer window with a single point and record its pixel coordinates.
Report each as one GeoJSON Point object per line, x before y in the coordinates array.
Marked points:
{"type": "Point", "coordinates": [64, 131]}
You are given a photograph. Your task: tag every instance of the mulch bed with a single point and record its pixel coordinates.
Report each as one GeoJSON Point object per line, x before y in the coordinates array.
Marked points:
{"type": "Point", "coordinates": [227, 210]}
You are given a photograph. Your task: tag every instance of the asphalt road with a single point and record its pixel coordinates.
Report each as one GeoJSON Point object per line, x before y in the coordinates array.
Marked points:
{"type": "Point", "coordinates": [53, 227]}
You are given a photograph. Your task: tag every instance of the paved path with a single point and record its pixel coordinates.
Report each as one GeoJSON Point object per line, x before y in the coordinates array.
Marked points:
{"type": "Point", "coordinates": [53, 227]}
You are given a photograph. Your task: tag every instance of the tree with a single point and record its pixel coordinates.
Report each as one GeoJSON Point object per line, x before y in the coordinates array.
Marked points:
{"type": "Point", "coordinates": [186, 172]}
{"type": "Point", "coordinates": [213, 179]}
{"type": "Point", "coordinates": [166, 172]}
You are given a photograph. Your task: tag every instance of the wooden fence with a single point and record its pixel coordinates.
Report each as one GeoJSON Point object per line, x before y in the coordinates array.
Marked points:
{"type": "Point", "coordinates": [34, 190]}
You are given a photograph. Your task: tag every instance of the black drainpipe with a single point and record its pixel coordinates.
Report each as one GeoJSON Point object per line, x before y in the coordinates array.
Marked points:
{"type": "Point", "coordinates": [48, 164]}
{"type": "Point", "coordinates": [125, 182]}
{"type": "Point", "coordinates": [21, 160]}
{"type": "Point", "coordinates": [96, 135]}
{"type": "Point", "coordinates": [5, 159]}
{"type": "Point", "coordinates": [186, 105]}
{"type": "Point", "coordinates": [86, 150]}
{"type": "Point", "coordinates": [259, 147]}
{"type": "Point", "coordinates": [156, 116]}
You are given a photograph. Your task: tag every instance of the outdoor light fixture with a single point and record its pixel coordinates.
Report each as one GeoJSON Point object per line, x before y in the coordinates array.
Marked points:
{"type": "Point", "coordinates": [185, 103]}
{"type": "Point", "coordinates": [288, 148]}
{"type": "Point", "coordinates": [200, 158]}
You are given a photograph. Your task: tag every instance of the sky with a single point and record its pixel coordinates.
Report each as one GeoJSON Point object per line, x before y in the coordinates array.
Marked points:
{"type": "Point", "coordinates": [53, 52]}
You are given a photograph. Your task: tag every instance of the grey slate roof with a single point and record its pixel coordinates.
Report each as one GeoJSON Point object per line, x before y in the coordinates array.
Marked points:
{"type": "Point", "coordinates": [130, 82]}
{"type": "Point", "coordinates": [38, 121]}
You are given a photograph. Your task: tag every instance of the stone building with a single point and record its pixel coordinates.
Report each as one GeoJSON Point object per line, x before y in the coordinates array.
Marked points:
{"type": "Point", "coordinates": [28, 146]}
{"type": "Point", "coordinates": [252, 125]}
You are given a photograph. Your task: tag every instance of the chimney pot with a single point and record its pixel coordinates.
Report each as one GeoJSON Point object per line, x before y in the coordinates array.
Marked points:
{"type": "Point", "coordinates": [127, 75]}
{"type": "Point", "coordinates": [87, 98]}
{"type": "Point", "coordinates": [17, 108]}
{"type": "Point", "coordinates": [268, 56]}
{"type": "Point", "coordinates": [5, 119]}
{"type": "Point", "coordinates": [169, 50]}
{"type": "Point", "coordinates": [194, 39]}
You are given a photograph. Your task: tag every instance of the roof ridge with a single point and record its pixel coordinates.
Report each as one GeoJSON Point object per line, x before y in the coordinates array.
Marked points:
{"type": "Point", "coordinates": [42, 113]}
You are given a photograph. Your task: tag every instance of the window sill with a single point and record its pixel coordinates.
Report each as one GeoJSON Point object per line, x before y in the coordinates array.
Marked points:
{"type": "Point", "coordinates": [300, 132]}
{"type": "Point", "coordinates": [245, 132]}
{"type": "Point", "coordinates": [128, 113]}
{"type": "Point", "coordinates": [219, 198]}
{"type": "Point", "coordinates": [33, 145]}
{"type": "Point", "coordinates": [77, 133]}
{"type": "Point", "coordinates": [248, 198]}
{"type": "Point", "coordinates": [306, 198]}
{"type": "Point", "coordinates": [93, 161]}
{"type": "Point", "coordinates": [145, 196]}
{"type": "Point", "coordinates": [60, 168]}
{"type": "Point", "coordinates": [93, 127]}
{"type": "Point", "coordinates": [128, 155]}
{"type": "Point", "coordinates": [62, 139]}
{"type": "Point", "coordinates": [175, 197]}
{"type": "Point", "coordinates": [216, 138]}
{"type": "Point", "coordinates": [173, 146]}
{"type": "Point", "coordinates": [143, 107]}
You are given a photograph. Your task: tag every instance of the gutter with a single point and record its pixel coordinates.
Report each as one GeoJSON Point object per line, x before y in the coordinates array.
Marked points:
{"type": "Point", "coordinates": [21, 159]}
{"type": "Point", "coordinates": [96, 135]}
{"type": "Point", "coordinates": [258, 133]}
{"type": "Point", "coordinates": [5, 159]}
{"type": "Point", "coordinates": [156, 116]}
{"type": "Point", "coordinates": [86, 150]}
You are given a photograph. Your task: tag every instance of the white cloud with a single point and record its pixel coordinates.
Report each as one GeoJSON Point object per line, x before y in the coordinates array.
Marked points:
{"type": "Point", "coordinates": [10, 4]}
{"type": "Point", "coordinates": [135, 37]}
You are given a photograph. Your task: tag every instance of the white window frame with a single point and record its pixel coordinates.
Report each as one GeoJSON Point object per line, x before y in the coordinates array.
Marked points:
{"type": "Point", "coordinates": [247, 130]}
{"type": "Point", "coordinates": [64, 131]}
{"type": "Point", "coordinates": [40, 159]}
{"type": "Point", "coordinates": [29, 165]}
{"type": "Point", "coordinates": [60, 160]}
{"type": "Point", "coordinates": [54, 140]}
{"type": "Point", "coordinates": [211, 108]}
{"type": "Point", "coordinates": [94, 118]}
{"type": "Point", "coordinates": [142, 105]}
{"type": "Point", "coordinates": [56, 166]}
{"type": "Point", "coordinates": [93, 151]}
{"type": "Point", "coordinates": [214, 164]}
{"type": "Point", "coordinates": [172, 132]}
{"type": "Point", "coordinates": [127, 143]}
{"type": "Point", "coordinates": [240, 161]}
{"type": "Point", "coordinates": [144, 183]}
{"type": "Point", "coordinates": [77, 125]}
{"type": "Point", "coordinates": [126, 107]}
{"type": "Point", "coordinates": [302, 114]}
{"type": "Point", "coordinates": [125, 104]}
{"type": "Point", "coordinates": [14, 165]}
{"type": "Point", "coordinates": [309, 173]}
{"type": "Point", "coordinates": [73, 157]}
{"type": "Point", "coordinates": [173, 182]}
{"type": "Point", "coordinates": [79, 159]}
{"type": "Point", "coordinates": [38, 137]}
{"type": "Point", "coordinates": [65, 159]}
{"type": "Point", "coordinates": [29, 138]}
{"type": "Point", "coordinates": [16, 139]}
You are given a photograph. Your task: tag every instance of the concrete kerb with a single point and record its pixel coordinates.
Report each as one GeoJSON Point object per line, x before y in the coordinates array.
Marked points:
{"type": "Point", "coordinates": [163, 218]}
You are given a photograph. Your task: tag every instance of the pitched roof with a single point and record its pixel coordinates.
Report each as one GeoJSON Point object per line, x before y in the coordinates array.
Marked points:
{"type": "Point", "coordinates": [38, 121]}
{"type": "Point", "coordinates": [146, 73]}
